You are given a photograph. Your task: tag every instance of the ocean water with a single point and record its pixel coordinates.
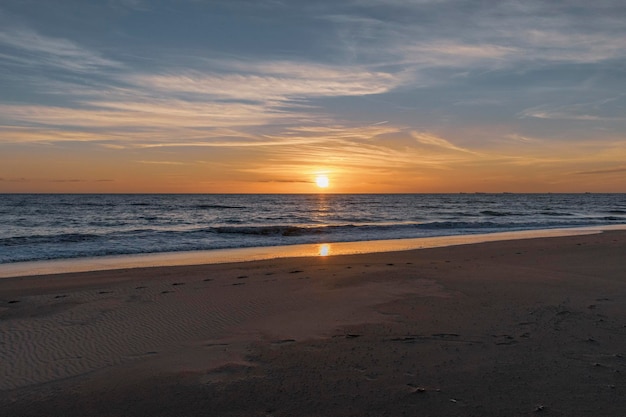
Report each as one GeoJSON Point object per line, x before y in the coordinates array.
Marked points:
{"type": "Point", "coordinates": [44, 227]}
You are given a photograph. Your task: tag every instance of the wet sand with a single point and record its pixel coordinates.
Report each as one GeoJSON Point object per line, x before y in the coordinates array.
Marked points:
{"type": "Point", "coordinates": [523, 327]}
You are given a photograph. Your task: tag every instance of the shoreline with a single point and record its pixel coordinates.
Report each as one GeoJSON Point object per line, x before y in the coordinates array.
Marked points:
{"type": "Point", "coordinates": [219, 256]}
{"type": "Point", "coordinates": [498, 328]}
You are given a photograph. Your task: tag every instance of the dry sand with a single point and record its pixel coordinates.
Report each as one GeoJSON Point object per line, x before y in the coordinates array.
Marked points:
{"type": "Point", "coordinates": [512, 328]}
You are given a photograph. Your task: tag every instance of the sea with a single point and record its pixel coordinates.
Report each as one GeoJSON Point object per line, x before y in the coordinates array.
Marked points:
{"type": "Point", "coordinates": [36, 227]}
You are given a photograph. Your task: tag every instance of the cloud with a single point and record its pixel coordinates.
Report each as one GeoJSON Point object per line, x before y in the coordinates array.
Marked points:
{"type": "Point", "coordinates": [148, 115]}
{"type": "Point", "coordinates": [451, 53]}
{"type": "Point", "coordinates": [28, 47]}
{"type": "Point", "coordinates": [521, 138]}
{"type": "Point", "coordinates": [192, 108]}
{"type": "Point", "coordinates": [615, 170]}
{"type": "Point", "coordinates": [436, 141]}
{"type": "Point", "coordinates": [583, 112]}
{"type": "Point", "coordinates": [468, 35]}
{"type": "Point", "coordinates": [273, 81]}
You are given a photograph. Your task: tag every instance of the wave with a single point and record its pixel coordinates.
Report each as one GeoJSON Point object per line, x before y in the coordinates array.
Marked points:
{"type": "Point", "coordinates": [282, 230]}
{"type": "Point", "coordinates": [373, 229]}
{"type": "Point", "coordinates": [216, 206]}
{"type": "Point", "coordinates": [357, 231]}
{"type": "Point", "coordinates": [55, 227]}
{"type": "Point", "coordinates": [494, 213]}
{"type": "Point", "coordinates": [556, 214]}
{"type": "Point", "coordinates": [43, 239]}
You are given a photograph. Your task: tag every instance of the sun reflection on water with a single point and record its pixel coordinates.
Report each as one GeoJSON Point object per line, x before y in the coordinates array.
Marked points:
{"type": "Point", "coordinates": [324, 249]}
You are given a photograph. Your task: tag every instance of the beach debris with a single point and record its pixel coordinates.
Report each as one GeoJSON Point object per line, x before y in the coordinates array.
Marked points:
{"type": "Point", "coordinates": [165, 292]}
{"type": "Point", "coordinates": [352, 335]}
{"type": "Point", "coordinates": [242, 277]}
{"type": "Point", "coordinates": [591, 340]}
{"type": "Point", "coordinates": [296, 271]}
{"type": "Point", "coordinates": [61, 296]}
{"type": "Point", "coordinates": [207, 279]}
{"type": "Point", "coordinates": [452, 400]}
{"type": "Point", "coordinates": [419, 390]}
{"type": "Point", "coordinates": [591, 306]}
{"type": "Point", "coordinates": [178, 283]}
{"type": "Point", "coordinates": [105, 292]}
{"type": "Point", "coordinates": [140, 287]}
{"type": "Point", "coordinates": [539, 408]}
{"type": "Point", "coordinates": [13, 301]}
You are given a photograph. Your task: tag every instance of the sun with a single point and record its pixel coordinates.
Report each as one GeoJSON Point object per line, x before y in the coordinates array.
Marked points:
{"type": "Point", "coordinates": [322, 181]}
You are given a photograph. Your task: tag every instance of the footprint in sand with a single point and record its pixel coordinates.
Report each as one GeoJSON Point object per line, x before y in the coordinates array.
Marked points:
{"type": "Point", "coordinates": [61, 296]}
{"type": "Point", "coordinates": [13, 301]}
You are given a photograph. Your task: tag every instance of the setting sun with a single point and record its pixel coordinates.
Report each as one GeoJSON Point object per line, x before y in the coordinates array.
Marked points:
{"type": "Point", "coordinates": [322, 181]}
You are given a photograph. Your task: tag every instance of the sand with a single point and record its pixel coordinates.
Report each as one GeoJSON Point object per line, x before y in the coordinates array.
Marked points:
{"type": "Point", "coordinates": [511, 328]}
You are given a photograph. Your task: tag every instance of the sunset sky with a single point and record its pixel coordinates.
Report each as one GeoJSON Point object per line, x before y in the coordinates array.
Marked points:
{"type": "Point", "coordinates": [263, 96]}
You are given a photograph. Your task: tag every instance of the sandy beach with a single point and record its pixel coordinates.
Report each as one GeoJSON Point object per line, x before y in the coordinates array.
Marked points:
{"type": "Point", "coordinates": [509, 328]}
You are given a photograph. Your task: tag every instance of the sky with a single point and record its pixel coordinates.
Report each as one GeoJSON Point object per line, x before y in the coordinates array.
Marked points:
{"type": "Point", "coordinates": [263, 96]}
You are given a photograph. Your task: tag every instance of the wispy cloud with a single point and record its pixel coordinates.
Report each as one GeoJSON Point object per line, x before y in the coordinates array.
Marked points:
{"type": "Point", "coordinates": [28, 47]}
{"type": "Point", "coordinates": [149, 115]}
{"type": "Point", "coordinates": [452, 53]}
{"type": "Point", "coordinates": [522, 138]}
{"type": "Point", "coordinates": [267, 81]}
{"type": "Point", "coordinates": [478, 35]}
{"type": "Point", "coordinates": [436, 141]}
{"type": "Point", "coordinates": [595, 111]}
{"type": "Point", "coordinates": [616, 170]}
